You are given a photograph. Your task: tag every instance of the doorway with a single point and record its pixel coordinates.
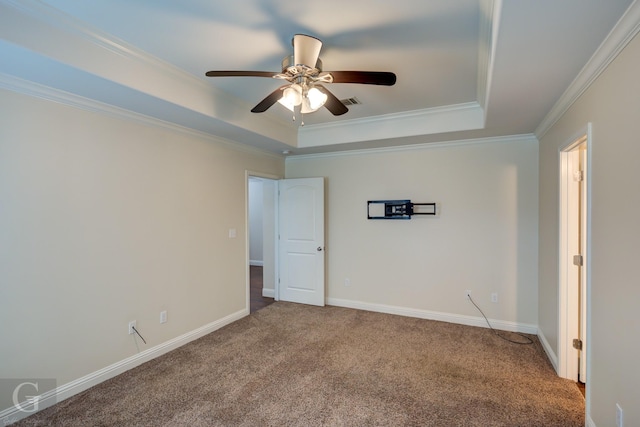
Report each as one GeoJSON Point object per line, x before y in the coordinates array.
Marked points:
{"type": "Point", "coordinates": [261, 226]}
{"type": "Point", "coordinates": [574, 259]}
{"type": "Point", "coordinates": [285, 239]}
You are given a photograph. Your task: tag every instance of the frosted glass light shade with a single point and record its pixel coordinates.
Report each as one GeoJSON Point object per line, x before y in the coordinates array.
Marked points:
{"type": "Point", "coordinates": [291, 96]}
{"type": "Point", "coordinates": [310, 101]}
{"type": "Point", "coordinates": [314, 100]}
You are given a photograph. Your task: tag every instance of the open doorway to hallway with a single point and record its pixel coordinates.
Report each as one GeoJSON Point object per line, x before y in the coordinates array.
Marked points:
{"type": "Point", "coordinates": [257, 300]}
{"type": "Point", "coordinates": [262, 241]}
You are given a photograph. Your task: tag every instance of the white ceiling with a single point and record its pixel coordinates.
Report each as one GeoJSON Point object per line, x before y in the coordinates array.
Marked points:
{"type": "Point", "coordinates": [465, 68]}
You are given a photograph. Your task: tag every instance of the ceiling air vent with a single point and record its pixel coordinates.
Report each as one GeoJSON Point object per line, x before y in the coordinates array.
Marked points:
{"type": "Point", "coordinates": [351, 101]}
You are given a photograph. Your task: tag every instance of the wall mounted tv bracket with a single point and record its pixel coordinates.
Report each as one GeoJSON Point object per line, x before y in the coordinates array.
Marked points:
{"type": "Point", "coordinates": [398, 209]}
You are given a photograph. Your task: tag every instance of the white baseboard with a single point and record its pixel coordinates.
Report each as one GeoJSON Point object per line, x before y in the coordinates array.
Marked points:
{"type": "Point", "coordinates": [14, 414]}
{"type": "Point", "coordinates": [268, 293]}
{"type": "Point", "coordinates": [435, 315]}
{"type": "Point", "coordinates": [590, 422]}
{"type": "Point", "coordinates": [547, 349]}
{"type": "Point", "coordinates": [256, 263]}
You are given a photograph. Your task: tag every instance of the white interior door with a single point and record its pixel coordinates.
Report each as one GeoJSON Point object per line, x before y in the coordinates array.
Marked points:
{"type": "Point", "coordinates": [583, 267]}
{"type": "Point", "coordinates": [574, 268]}
{"type": "Point", "coordinates": [301, 244]}
{"type": "Point", "coordinates": [578, 246]}
{"type": "Point", "coordinates": [574, 239]}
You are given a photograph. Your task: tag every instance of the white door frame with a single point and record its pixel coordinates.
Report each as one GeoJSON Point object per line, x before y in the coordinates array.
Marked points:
{"type": "Point", "coordinates": [567, 306]}
{"type": "Point", "coordinates": [248, 174]}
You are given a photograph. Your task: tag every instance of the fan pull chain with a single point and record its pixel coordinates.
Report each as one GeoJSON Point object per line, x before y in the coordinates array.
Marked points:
{"type": "Point", "coordinates": [301, 118]}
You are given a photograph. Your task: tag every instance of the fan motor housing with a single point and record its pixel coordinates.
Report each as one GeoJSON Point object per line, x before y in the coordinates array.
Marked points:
{"type": "Point", "coordinates": [288, 63]}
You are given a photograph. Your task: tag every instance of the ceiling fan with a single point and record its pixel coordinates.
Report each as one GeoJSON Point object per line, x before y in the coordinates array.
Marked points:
{"type": "Point", "coordinates": [304, 91]}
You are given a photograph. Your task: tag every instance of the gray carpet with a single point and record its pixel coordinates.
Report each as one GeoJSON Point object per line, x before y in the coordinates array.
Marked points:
{"type": "Point", "coordinates": [297, 365]}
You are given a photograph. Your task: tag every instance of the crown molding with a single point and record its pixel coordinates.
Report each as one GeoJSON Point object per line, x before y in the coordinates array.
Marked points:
{"type": "Point", "coordinates": [622, 33]}
{"type": "Point", "coordinates": [468, 116]}
{"type": "Point", "coordinates": [36, 90]}
{"type": "Point", "coordinates": [50, 15]}
{"type": "Point", "coordinates": [43, 31]}
{"type": "Point", "coordinates": [110, 58]}
{"type": "Point", "coordinates": [515, 139]}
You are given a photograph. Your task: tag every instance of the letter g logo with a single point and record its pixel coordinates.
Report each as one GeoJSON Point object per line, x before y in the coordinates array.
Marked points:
{"type": "Point", "coordinates": [31, 400]}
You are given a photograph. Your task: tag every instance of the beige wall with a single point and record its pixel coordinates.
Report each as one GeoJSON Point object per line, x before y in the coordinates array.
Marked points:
{"type": "Point", "coordinates": [612, 105]}
{"type": "Point", "coordinates": [105, 220]}
{"type": "Point", "coordinates": [484, 239]}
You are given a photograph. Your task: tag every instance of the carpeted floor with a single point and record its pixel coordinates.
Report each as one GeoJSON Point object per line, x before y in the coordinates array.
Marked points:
{"type": "Point", "coordinates": [297, 365]}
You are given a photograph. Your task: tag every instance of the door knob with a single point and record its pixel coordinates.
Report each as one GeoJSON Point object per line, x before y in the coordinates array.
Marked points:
{"type": "Point", "coordinates": [319, 249]}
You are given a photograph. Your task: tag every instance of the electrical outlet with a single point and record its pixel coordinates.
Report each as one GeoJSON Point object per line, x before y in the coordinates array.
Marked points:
{"type": "Point", "coordinates": [163, 316]}
{"type": "Point", "coordinates": [494, 297]}
{"type": "Point", "coordinates": [132, 325]}
{"type": "Point", "coordinates": [347, 282]}
{"type": "Point", "coordinates": [619, 416]}
{"type": "Point", "coordinates": [467, 293]}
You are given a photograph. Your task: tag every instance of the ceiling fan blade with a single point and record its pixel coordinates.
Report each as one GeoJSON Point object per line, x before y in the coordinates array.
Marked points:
{"type": "Point", "coordinates": [240, 74]}
{"type": "Point", "coordinates": [333, 104]}
{"type": "Point", "coordinates": [383, 78]}
{"type": "Point", "coordinates": [271, 99]}
{"type": "Point", "coordinates": [306, 50]}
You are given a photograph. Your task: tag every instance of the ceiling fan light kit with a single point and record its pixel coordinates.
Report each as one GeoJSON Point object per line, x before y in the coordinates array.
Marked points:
{"type": "Point", "coordinates": [304, 91]}
{"type": "Point", "coordinates": [309, 99]}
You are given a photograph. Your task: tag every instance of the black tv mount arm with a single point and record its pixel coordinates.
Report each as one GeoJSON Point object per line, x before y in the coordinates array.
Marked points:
{"type": "Point", "coordinates": [398, 209]}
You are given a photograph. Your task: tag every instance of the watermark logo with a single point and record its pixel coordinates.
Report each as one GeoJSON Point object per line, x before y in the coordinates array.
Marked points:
{"type": "Point", "coordinates": [31, 402]}
{"type": "Point", "coordinates": [25, 394]}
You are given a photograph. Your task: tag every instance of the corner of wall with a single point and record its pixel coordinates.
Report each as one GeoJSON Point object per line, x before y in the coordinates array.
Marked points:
{"type": "Point", "coordinates": [553, 358]}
